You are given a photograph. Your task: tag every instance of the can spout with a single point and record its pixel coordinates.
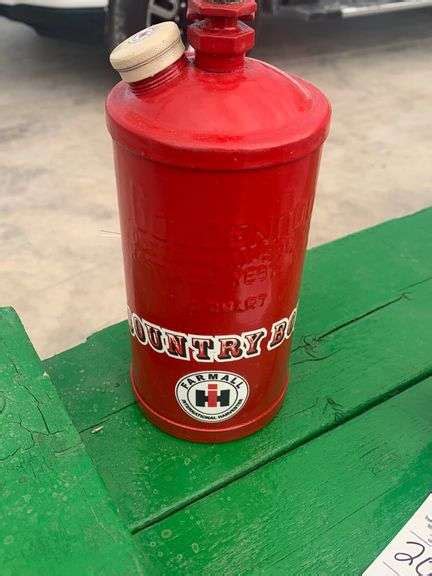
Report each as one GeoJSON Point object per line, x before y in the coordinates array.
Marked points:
{"type": "Point", "coordinates": [220, 37]}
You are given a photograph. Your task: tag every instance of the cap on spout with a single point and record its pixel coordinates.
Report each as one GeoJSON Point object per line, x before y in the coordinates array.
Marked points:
{"type": "Point", "coordinates": [148, 52]}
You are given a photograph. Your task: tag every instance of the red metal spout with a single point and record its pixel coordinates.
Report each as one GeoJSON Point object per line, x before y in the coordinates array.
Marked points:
{"type": "Point", "coordinates": [220, 39]}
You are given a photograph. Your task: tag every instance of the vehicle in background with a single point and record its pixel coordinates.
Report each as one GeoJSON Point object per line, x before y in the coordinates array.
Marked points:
{"type": "Point", "coordinates": [115, 20]}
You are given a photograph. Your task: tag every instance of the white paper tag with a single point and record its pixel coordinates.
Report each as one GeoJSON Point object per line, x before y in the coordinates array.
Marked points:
{"type": "Point", "coordinates": [410, 551]}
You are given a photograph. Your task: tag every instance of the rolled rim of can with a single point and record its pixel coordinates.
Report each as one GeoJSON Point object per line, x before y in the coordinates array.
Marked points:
{"type": "Point", "coordinates": [148, 52]}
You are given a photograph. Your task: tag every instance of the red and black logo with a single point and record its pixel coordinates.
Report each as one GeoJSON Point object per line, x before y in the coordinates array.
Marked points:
{"type": "Point", "coordinates": [212, 396]}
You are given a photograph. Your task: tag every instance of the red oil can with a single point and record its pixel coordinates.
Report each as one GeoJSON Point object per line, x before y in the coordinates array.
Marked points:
{"type": "Point", "coordinates": [216, 159]}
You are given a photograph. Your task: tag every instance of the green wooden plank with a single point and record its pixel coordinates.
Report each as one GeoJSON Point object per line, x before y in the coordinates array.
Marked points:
{"type": "Point", "coordinates": [342, 280]}
{"type": "Point", "coordinates": [149, 473]}
{"type": "Point", "coordinates": [327, 508]}
{"type": "Point", "coordinates": [344, 362]}
{"type": "Point", "coordinates": [55, 515]}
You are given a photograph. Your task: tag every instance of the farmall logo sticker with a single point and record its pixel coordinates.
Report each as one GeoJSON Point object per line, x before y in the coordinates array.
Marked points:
{"type": "Point", "coordinates": [212, 396]}
{"type": "Point", "coordinates": [211, 348]}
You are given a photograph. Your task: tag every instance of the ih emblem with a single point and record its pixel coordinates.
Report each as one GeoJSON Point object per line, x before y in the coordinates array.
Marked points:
{"type": "Point", "coordinates": [212, 396]}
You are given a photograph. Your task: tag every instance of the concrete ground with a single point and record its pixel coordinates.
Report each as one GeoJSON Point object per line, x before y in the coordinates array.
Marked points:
{"type": "Point", "coordinates": [60, 257]}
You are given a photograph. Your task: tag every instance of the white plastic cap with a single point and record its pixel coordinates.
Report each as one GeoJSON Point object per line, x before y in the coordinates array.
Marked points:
{"type": "Point", "coordinates": [148, 52]}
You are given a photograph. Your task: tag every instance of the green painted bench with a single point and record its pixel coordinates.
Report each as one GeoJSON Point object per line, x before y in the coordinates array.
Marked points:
{"type": "Point", "coordinates": [88, 486]}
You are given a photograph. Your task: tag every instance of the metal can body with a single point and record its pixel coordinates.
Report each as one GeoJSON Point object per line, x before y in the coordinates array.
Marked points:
{"type": "Point", "coordinates": [215, 256]}
{"type": "Point", "coordinates": [214, 236]}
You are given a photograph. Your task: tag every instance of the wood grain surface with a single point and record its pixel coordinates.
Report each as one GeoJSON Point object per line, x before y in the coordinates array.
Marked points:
{"type": "Point", "coordinates": [343, 281]}
{"type": "Point", "coordinates": [325, 509]}
{"type": "Point", "coordinates": [56, 518]}
{"type": "Point", "coordinates": [363, 335]}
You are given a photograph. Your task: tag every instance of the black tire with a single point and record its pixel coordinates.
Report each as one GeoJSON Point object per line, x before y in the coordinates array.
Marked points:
{"type": "Point", "coordinates": [125, 17]}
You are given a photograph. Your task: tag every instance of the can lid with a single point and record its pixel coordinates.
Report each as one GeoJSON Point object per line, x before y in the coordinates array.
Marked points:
{"type": "Point", "coordinates": [148, 52]}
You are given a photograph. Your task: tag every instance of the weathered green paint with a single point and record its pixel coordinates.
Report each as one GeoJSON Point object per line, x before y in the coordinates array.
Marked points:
{"type": "Point", "coordinates": [327, 508]}
{"type": "Point", "coordinates": [55, 515]}
{"type": "Point", "coordinates": [363, 334]}
{"type": "Point", "coordinates": [343, 280]}
{"type": "Point", "coordinates": [321, 490]}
